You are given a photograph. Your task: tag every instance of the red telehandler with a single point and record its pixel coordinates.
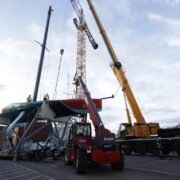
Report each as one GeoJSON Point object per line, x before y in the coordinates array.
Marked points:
{"type": "Point", "coordinates": [81, 148]}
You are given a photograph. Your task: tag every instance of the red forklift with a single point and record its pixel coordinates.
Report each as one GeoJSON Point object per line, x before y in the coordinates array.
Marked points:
{"type": "Point", "coordinates": [81, 148]}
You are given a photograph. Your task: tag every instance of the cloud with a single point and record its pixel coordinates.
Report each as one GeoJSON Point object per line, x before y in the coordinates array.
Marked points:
{"type": "Point", "coordinates": [35, 30]}
{"type": "Point", "coordinates": [170, 29]}
{"type": "Point", "coordinates": [170, 2]}
{"type": "Point", "coordinates": [177, 65]}
{"type": "Point", "coordinates": [111, 122]}
{"type": "Point", "coordinates": [2, 87]}
{"type": "Point", "coordinates": [16, 48]}
{"type": "Point", "coordinates": [155, 18]}
{"type": "Point", "coordinates": [168, 122]}
{"type": "Point", "coordinates": [162, 111]}
{"type": "Point", "coordinates": [162, 19]}
{"type": "Point", "coordinates": [167, 2]}
{"type": "Point", "coordinates": [173, 41]}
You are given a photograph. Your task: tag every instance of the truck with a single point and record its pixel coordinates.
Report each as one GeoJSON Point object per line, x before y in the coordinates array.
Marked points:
{"type": "Point", "coordinates": [140, 137]}
{"type": "Point", "coordinates": [81, 148]}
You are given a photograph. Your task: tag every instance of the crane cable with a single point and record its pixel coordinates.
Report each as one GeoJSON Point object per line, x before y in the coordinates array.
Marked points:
{"type": "Point", "coordinates": [116, 91]}
{"type": "Point", "coordinates": [57, 79]}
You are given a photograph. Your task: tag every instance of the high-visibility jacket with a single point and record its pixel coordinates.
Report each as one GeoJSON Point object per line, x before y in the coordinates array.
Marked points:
{"type": "Point", "coordinates": [46, 97]}
{"type": "Point", "coordinates": [29, 99]}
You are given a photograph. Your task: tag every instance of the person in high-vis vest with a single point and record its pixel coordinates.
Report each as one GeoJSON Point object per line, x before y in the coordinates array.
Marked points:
{"type": "Point", "coordinates": [29, 98]}
{"type": "Point", "coordinates": [46, 97]}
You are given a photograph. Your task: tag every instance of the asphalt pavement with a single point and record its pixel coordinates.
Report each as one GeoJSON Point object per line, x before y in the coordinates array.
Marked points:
{"type": "Point", "coordinates": [136, 168]}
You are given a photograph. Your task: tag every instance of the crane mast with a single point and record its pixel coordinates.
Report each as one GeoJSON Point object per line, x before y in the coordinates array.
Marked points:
{"type": "Point", "coordinates": [83, 30]}
{"type": "Point", "coordinates": [118, 70]}
{"type": "Point", "coordinates": [81, 59]}
{"type": "Point", "coordinates": [42, 55]}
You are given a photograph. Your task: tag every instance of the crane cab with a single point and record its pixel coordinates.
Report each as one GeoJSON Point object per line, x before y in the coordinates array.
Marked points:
{"type": "Point", "coordinates": [126, 131]}
{"type": "Point", "coordinates": [138, 130]}
{"type": "Point", "coordinates": [78, 134]}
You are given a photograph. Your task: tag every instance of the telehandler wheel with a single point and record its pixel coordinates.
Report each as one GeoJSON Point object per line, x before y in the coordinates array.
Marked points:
{"type": "Point", "coordinates": [81, 162]}
{"type": "Point", "coordinates": [67, 162]}
{"type": "Point", "coordinates": [118, 166]}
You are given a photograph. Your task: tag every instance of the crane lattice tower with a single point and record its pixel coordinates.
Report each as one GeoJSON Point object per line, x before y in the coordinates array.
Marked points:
{"type": "Point", "coordinates": [81, 59]}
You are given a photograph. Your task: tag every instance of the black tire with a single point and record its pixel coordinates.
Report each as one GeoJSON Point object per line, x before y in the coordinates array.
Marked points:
{"type": "Point", "coordinates": [153, 149]}
{"type": "Point", "coordinates": [118, 166]}
{"type": "Point", "coordinates": [141, 148]}
{"type": "Point", "coordinates": [81, 162]}
{"type": "Point", "coordinates": [177, 147]}
{"type": "Point", "coordinates": [166, 148]}
{"type": "Point", "coordinates": [127, 148]}
{"type": "Point", "coordinates": [67, 162]}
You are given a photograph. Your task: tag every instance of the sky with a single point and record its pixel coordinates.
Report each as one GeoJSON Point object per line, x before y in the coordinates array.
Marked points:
{"type": "Point", "coordinates": [145, 35]}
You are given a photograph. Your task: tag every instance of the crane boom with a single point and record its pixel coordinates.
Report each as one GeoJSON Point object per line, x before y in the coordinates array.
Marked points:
{"type": "Point", "coordinates": [78, 9]}
{"type": "Point", "coordinates": [118, 70]}
{"type": "Point", "coordinates": [82, 23]}
{"type": "Point", "coordinates": [94, 115]}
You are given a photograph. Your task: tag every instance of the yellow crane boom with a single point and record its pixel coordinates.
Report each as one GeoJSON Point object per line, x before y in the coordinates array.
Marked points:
{"type": "Point", "coordinates": [118, 70]}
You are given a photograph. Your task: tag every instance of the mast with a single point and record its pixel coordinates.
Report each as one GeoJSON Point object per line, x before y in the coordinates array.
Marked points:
{"type": "Point", "coordinates": [42, 56]}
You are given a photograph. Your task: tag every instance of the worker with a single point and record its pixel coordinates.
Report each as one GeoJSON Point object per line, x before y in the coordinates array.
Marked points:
{"type": "Point", "coordinates": [29, 98]}
{"type": "Point", "coordinates": [46, 97]}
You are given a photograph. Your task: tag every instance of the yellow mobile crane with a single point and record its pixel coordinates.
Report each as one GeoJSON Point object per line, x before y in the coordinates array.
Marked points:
{"type": "Point", "coordinates": [141, 137]}
{"type": "Point", "coordinates": [140, 129]}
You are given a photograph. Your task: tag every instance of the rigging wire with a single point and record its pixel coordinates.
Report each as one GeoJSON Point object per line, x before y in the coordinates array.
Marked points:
{"type": "Point", "coordinates": [59, 30]}
{"type": "Point", "coordinates": [116, 91]}
{"type": "Point", "coordinates": [140, 104]}
{"type": "Point", "coordinates": [57, 79]}
{"type": "Point", "coordinates": [67, 91]}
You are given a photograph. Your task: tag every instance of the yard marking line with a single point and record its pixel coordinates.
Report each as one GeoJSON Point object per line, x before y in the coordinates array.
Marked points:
{"type": "Point", "coordinates": [156, 171]}
{"type": "Point", "coordinates": [26, 168]}
{"type": "Point", "coordinates": [50, 178]}
{"type": "Point", "coordinates": [5, 172]}
{"type": "Point", "coordinates": [15, 172]}
{"type": "Point", "coordinates": [21, 175]}
{"type": "Point", "coordinates": [35, 177]}
{"type": "Point", "coordinates": [6, 167]}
